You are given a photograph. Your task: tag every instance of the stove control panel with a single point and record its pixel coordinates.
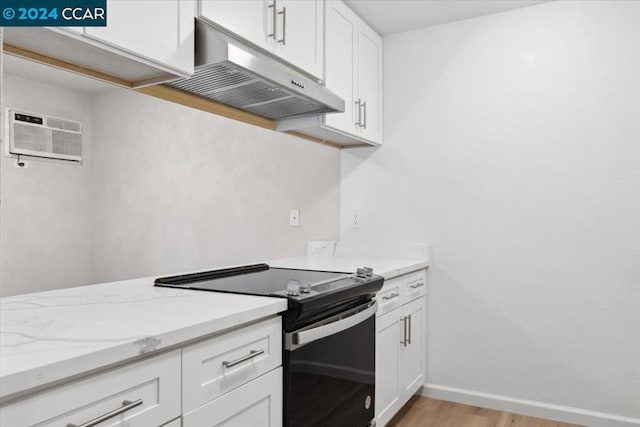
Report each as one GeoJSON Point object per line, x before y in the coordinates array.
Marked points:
{"type": "Point", "coordinates": [364, 272]}
{"type": "Point", "coordinates": [295, 288]}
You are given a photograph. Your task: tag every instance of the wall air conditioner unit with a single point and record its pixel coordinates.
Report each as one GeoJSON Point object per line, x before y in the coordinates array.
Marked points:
{"type": "Point", "coordinates": [42, 136]}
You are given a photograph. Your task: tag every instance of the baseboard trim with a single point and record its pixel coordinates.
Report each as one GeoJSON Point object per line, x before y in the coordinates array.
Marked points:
{"type": "Point", "coordinates": [530, 408]}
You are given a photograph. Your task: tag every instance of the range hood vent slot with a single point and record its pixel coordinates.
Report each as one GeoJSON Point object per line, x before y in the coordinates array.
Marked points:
{"type": "Point", "coordinates": [232, 73]}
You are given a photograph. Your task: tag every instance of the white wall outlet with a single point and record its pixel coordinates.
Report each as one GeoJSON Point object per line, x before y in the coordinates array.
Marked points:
{"type": "Point", "coordinates": [356, 220]}
{"type": "Point", "coordinates": [294, 217]}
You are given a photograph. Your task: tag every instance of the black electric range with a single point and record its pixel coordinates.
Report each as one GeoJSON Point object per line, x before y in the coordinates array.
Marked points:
{"type": "Point", "coordinates": [328, 337]}
{"type": "Point", "coordinates": [312, 294]}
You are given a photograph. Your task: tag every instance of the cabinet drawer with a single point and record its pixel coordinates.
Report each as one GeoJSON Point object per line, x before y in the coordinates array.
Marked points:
{"type": "Point", "coordinates": [390, 296]}
{"type": "Point", "coordinates": [256, 404]}
{"type": "Point", "coordinates": [220, 364]}
{"type": "Point", "coordinates": [155, 382]}
{"type": "Point", "coordinates": [414, 285]}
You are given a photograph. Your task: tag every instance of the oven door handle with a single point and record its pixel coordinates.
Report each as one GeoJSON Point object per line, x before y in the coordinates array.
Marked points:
{"type": "Point", "coordinates": [295, 340]}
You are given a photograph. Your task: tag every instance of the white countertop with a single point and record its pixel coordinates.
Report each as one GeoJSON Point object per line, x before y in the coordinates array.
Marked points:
{"type": "Point", "coordinates": [49, 336]}
{"type": "Point", "coordinates": [385, 267]}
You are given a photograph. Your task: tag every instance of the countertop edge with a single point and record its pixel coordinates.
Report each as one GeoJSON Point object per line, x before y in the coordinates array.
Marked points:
{"type": "Point", "coordinates": [31, 381]}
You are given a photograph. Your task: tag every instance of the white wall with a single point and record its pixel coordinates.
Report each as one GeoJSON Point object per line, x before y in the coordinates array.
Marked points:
{"type": "Point", "coordinates": [177, 189]}
{"type": "Point", "coordinates": [512, 146]}
{"type": "Point", "coordinates": [46, 226]}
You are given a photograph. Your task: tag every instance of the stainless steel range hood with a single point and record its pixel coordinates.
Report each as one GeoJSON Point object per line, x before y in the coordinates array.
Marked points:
{"type": "Point", "coordinates": [233, 73]}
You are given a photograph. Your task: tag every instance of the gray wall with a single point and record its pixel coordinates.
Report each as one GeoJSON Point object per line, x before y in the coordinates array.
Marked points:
{"type": "Point", "coordinates": [512, 146]}
{"type": "Point", "coordinates": [177, 189]}
{"type": "Point", "coordinates": [46, 235]}
{"type": "Point", "coordinates": [163, 188]}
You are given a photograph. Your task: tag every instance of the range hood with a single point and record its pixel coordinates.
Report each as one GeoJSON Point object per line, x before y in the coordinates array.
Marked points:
{"type": "Point", "coordinates": [231, 72]}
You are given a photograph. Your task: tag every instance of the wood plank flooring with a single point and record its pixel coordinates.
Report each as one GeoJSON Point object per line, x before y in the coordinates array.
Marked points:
{"type": "Point", "coordinates": [426, 412]}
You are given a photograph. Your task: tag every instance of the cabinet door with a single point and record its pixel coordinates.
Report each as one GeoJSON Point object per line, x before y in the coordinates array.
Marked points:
{"type": "Point", "coordinates": [340, 66]}
{"type": "Point", "coordinates": [412, 367]}
{"type": "Point", "coordinates": [250, 19]}
{"type": "Point", "coordinates": [158, 30]}
{"type": "Point", "coordinates": [256, 404]}
{"type": "Point", "coordinates": [370, 83]}
{"type": "Point", "coordinates": [389, 334]}
{"type": "Point", "coordinates": [146, 392]}
{"type": "Point", "coordinates": [300, 34]}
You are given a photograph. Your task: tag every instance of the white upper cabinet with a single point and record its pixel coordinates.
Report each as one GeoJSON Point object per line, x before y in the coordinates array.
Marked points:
{"type": "Point", "coordinates": [353, 71]}
{"type": "Point", "coordinates": [144, 41]}
{"type": "Point", "coordinates": [341, 36]}
{"type": "Point", "coordinates": [289, 29]}
{"type": "Point", "coordinates": [370, 84]}
{"type": "Point", "coordinates": [159, 30]}
{"type": "Point", "coordinates": [246, 18]}
{"type": "Point", "coordinates": [300, 25]}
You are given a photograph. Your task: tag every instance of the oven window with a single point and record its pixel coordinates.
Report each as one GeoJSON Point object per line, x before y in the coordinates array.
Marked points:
{"type": "Point", "coordinates": [331, 381]}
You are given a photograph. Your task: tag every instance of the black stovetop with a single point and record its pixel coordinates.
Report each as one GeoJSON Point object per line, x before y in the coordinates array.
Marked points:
{"type": "Point", "coordinates": [259, 279]}
{"type": "Point", "coordinates": [331, 292]}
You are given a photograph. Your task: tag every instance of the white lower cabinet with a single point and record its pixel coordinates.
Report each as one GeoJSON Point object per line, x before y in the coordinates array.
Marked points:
{"type": "Point", "coordinates": [412, 352]}
{"type": "Point", "coordinates": [233, 380]}
{"type": "Point", "coordinates": [388, 335]}
{"type": "Point", "coordinates": [218, 365]}
{"type": "Point", "coordinates": [400, 344]}
{"type": "Point", "coordinates": [256, 404]}
{"type": "Point", "coordinates": [145, 393]}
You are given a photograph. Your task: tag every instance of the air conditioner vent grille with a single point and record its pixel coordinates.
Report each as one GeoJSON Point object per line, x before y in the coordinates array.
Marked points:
{"type": "Point", "coordinates": [40, 136]}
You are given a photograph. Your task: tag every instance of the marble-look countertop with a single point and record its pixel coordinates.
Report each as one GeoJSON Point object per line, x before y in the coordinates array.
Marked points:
{"type": "Point", "coordinates": [385, 267]}
{"type": "Point", "coordinates": [50, 336]}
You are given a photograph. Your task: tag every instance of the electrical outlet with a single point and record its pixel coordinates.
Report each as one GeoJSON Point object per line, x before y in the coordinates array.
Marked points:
{"type": "Point", "coordinates": [356, 220]}
{"type": "Point", "coordinates": [294, 217]}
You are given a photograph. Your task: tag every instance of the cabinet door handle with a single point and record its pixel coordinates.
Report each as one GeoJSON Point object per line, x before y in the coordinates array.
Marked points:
{"type": "Point", "coordinates": [274, 21]}
{"type": "Point", "coordinates": [417, 285]}
{"type": "Point", "coordinates": [251, 355]}
{"type": "Point", "coordinates": [283, 12]}
{"type": "Point", "coordinates": [409, 339]}
{"type": "Point", "coordinates": [392, 296]}
{"type": "Point", "coordinates": [359, 118]}
{"type": "Point", "coordinates": [126, 405]}
{"type": "Point", "coordinates": [404, 331]}
{"type": "Point", "coordinates": [364, 105]}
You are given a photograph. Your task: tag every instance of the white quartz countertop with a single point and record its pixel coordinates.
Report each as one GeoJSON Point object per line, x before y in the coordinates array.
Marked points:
{"type": "Point", "coordinates": [385, 267]}
{"type": "Point", "coordinates": [50, 336]}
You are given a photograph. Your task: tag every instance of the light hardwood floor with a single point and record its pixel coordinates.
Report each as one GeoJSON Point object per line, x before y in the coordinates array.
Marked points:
{"type": "Point", "coordinates": [425, 412]}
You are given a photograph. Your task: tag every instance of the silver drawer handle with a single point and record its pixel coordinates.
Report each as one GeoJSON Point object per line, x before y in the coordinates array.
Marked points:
{"type": "Point", "coordinates": [126, 405]}
{"type": "Point", "coordinates": [392, 296]}
{"type": "Point", "coordinates": [417, 285]}
{"type": "Point", "coordinates": [251, 355]}
{"type": "Point", "coordinates": [404, 341]}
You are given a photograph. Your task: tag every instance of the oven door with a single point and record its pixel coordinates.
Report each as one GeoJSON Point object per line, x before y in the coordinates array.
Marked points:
{"type": "Point", "coordinates": [330, 371]}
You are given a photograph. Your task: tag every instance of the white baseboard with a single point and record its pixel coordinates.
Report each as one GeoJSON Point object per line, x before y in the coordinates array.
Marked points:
{"type": "Point", "coordinates": [530, 408]}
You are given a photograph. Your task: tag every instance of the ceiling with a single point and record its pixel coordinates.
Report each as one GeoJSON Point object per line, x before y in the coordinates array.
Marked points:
{"type": "Point", "coordinates": [395, 16]}
{"type": "Point", "coordinates": [47, 74]}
